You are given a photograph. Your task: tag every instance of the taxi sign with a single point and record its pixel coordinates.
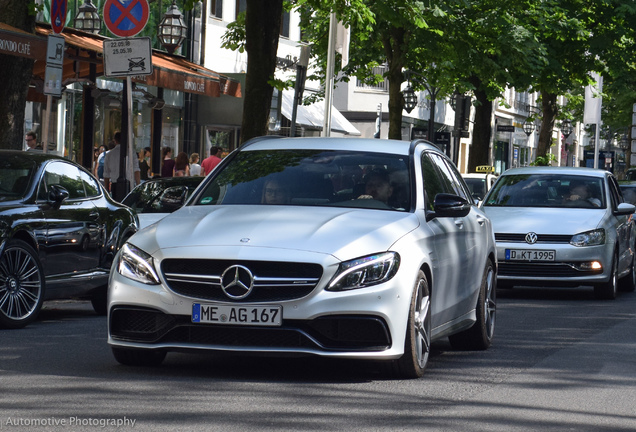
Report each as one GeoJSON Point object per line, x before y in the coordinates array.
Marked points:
{"type": "Point", "coordinates": [485, 169]}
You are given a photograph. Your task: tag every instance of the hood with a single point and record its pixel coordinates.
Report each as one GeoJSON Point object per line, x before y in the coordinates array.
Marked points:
{"type": "Point", "coordinates": [516, 220]}
{"type": "Point", "coordinates": [341, 232]}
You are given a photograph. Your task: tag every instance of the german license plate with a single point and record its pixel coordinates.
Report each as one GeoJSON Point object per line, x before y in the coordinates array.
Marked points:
{"type": "Point", "coordinates": [529, 255]}
{"type": "Point", "coordinates": [237, 315]}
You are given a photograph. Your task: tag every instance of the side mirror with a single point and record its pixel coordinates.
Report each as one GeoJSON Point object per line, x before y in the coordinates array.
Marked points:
{"type": "Point", "coordinates": [449, 205]}
{"type": "Point", "coordinates": [173, 198]}
{"type": "Point", "coordinates": [624, 209]}
{"type": "Point", "coordinates": [57, 194]}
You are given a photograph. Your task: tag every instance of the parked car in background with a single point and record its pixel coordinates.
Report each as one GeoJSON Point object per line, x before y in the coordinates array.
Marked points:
{"type": "Point", "coordinates": [59, 232]}
{"type": "Point", "coordinates": [560, 226]}
{"type": "Point", "coordinates": [312, 246]}
{"type": "Point", "coordinates": [154, 199]}
{"type": "Point", "coordinates": [481, 181]}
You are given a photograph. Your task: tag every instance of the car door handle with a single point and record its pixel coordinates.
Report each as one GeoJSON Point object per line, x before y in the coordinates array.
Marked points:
{"type": "Point", "coordinates": [481, 221]}
{"type": "Point", "coordinates": [94, 215]}
{"type": "Point", "coordinates": [459, 223]}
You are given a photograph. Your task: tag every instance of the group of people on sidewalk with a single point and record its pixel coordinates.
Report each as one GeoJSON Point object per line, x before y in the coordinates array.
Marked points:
{"type": "Point", "coordinates": [106, 165]}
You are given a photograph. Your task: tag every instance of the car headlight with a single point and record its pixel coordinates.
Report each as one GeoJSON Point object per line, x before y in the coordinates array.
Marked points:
{"type": "Point", "coordinates": [365, 271]}
{"type": "Point", "coordinates": [589, 238]}
{"type": "Point", "coordinates": [137, 265]}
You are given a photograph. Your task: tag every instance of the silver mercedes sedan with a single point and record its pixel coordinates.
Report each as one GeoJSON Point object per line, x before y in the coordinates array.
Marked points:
{"type": "Point", "coordinates": [560, 226]}
{"type": "Point", "coordinates": [351, 248]}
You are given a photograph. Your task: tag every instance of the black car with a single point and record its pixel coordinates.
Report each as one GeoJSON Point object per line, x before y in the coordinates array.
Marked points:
{"type": "Point", "coordinates": [154, 199]}
{"type": "Point", "coordinates": [59, 232]}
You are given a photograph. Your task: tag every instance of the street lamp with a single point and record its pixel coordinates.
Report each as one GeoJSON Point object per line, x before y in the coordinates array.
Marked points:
{"type": "Point", "coordinates": [566, 128]}
{"type": "Point", "coordinates": [528, 127]}
{"type": "Point", "coordinates": [87, 18]}
{"type": "Point", "coordinates": [410, 99]}
{"type": "Point", "coordinates": [172, 29]}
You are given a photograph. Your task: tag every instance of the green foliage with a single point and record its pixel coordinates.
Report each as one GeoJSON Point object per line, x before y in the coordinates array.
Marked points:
{"type": "Point", "coordinates": [234, 37]}
{"type": "Point", "coordinates": [544, 160]}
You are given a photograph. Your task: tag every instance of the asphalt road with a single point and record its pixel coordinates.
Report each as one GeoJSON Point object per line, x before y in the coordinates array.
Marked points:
{"type": "Point", "coordinates": [561, 361]}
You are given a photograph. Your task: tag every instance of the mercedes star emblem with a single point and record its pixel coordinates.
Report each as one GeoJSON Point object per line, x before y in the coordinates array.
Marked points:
{"type": "Point", "coordinates": [237, 282]}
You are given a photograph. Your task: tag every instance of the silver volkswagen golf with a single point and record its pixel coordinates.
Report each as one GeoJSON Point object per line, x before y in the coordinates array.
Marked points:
{"type": "Point", "coordinates": [560, 226]}
{"type": "Point", "coordinates": [351, 248]}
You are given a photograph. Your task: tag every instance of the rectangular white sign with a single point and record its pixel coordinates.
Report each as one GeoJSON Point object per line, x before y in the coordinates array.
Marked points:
{"type": "Point", "coordinates": [127, 57]}
{"type": "Point", "coordinates": [55, 50]}
{"type": "Point", "coordinates": [53, 80]}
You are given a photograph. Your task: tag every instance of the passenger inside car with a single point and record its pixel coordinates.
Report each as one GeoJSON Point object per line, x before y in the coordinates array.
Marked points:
{"type": "Point", "coordinates": [275, 192]}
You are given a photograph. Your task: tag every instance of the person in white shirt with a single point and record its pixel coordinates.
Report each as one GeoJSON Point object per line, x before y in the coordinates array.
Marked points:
{"type": "Point", "coordinates": [111, 164]}
{"type": "Point", "coordinates": [195, 168]}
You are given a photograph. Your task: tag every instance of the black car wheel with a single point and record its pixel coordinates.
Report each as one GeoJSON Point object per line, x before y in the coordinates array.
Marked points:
{"type": "Point", "coordinates": [479, 336]}
{"type": "Point", "coordinates": [417, 346]}
{"type": "Point", "coordinates": [21, 285]}
{"type": "Point", "coordinates": [609, 289]}
{"type": "Point", "coordinates": [628, 283]}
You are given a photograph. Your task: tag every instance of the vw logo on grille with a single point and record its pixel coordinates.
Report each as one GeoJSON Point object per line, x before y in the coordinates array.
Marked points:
{"type": "Point", "coordinates": [531, 238]}
{"type": "Point", "coordinates": [237, 282]}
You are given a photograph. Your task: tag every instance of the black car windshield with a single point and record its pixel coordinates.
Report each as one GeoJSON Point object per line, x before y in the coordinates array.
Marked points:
{"type": "Point", "coordinates": [548, 190]}
{"type": "Point", "coordinates": [312, 178]}
{"type": "Point", "coordinates": [15, 177]}
{"type": "Point", "coordinates": [154, 196]}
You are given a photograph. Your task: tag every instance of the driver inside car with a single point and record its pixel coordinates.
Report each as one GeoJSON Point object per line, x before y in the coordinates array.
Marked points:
{"type": "Point", "coordinates": [579, 191]}
{"type": "Point", "coordinates": [377, 186]}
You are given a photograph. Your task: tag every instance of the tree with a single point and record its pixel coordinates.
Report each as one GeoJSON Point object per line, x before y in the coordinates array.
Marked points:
{"type": "Point", "coordinates": [16, 75]}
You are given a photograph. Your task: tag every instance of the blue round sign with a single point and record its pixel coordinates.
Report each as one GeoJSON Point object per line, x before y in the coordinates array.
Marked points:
{"type": "Point", "coordinates": [126, 18]}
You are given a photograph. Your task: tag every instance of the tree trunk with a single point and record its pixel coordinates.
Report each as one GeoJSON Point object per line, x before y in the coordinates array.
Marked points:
{"type": "Point", "coordinates": [17, 73]}
{"type": "Point", "coordinates": [550, 109]}
{"type": "Point", "coordinates": [482, 130]}
{"type": "Point", "coordinates": [395, 58]}
{"type": "Point", "coordinates": [262, 28]}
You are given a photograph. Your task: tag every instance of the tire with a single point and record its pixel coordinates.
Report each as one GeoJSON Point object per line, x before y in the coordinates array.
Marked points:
{"type": "Point", "coordinates": [609, 289]}
{"type": "Point", "coordinates": [479, 336]}
{"type": "Point", "coordinates": [100, 301]}
{"type": "Point", "coordinates": [417, 346]}
{"type": "Point", "coordinates": [628, 283]}
{"type": "Point", "coordinates": [21, 285]}
{"type": "Point", "coordinates": [138, 357]}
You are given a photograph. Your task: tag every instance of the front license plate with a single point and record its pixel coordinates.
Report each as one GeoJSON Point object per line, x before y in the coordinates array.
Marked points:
{"type": "Point", "coordinates": [529, 255]}
{"type": "Point", "coordinates": [237, 315]}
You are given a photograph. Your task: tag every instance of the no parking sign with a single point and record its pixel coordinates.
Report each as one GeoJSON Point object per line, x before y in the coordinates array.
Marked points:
{"type": "Point", "coordinates": [126, 18]}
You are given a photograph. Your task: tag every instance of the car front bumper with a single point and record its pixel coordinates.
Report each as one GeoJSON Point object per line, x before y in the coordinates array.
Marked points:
{"type": "Point", "coordinates": [362, 323]}
{"type": "Point", "coordinates": [572, 265]}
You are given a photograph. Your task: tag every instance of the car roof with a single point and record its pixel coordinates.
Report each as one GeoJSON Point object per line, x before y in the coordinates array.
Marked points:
{"type": "Point", "coordinates": [333, 143]}
{"type": "Point", "coordinates": [36, 156]}
{"type": "Point", "coordinates": [582, 171]}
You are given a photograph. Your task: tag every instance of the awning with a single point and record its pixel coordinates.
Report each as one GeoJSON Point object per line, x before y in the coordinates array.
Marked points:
{"type": "Point", "coordinates": [312, 116]}
{"type": "Point", "coordinates": [169, 71]}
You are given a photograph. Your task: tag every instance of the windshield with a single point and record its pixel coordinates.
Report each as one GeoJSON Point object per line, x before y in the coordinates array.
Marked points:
{"type": "Point", "coordinates": [147, 197]}
{"type": "Point", "coordinates": [547, 190]}
{"type": "Point", "coordinates": [15, 177]}
{"type": "Point", "coordinates": [312, 178]}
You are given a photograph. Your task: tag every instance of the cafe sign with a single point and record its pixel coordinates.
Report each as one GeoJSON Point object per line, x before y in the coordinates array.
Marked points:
{"type": "Point", "coordinates": [16, 44]}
